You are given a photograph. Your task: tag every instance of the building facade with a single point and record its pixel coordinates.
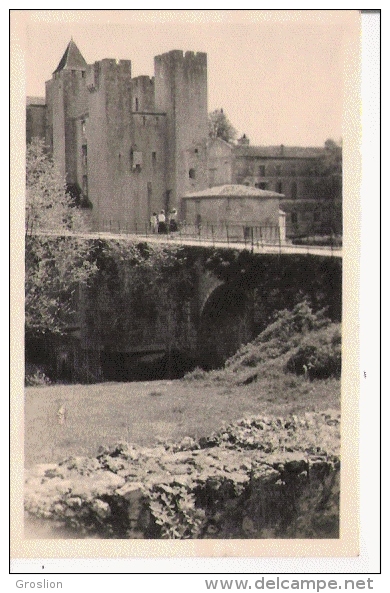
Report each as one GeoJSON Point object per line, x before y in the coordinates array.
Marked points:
{"type": "Point", "coordinates": [129, 147]}
{"type": "Point", "coordinates": [236, 213]}
{"type": "Point", "coordinates": [126, 146]}
{"type": "Point", "coordinates": [292, 171]}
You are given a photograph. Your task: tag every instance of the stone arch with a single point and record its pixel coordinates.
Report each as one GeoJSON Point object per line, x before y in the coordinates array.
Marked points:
{"type": "Point", "coordinates": [226, 322]}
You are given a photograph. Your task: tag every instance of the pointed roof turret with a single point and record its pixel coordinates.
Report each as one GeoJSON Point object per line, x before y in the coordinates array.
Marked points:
{"type": "Point", "coordinates": [72, 59]}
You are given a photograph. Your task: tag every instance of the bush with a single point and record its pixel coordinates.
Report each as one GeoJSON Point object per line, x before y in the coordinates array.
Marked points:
{"type": "Point", "coordinates": [319, 355]}
{"type": "Point", "coordinates": [321, 240]}
{"type": "Point", "coordinates": [36, 379]}
{"type": "Point", "coordinates": [279, 337]}
{"type": "Point", "coordinates": [195, 375]}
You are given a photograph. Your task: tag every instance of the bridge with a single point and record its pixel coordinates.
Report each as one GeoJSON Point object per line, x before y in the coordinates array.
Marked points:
{"type": "Point", "coordinates": [256, 246]}
{"type": "Point", "coordinates": [232, 296]}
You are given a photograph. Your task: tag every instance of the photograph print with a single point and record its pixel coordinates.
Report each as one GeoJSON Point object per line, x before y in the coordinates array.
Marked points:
{"type": "Point", "coordinates": [184, 303]}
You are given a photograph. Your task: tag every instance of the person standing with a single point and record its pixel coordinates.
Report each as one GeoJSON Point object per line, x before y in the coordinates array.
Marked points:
{"type": "Point", "coordinates": [162, 227]}
{"type": "Point", "coordinates": [154, 223]}
{"type": "Point", "coordinates": [173, 221]}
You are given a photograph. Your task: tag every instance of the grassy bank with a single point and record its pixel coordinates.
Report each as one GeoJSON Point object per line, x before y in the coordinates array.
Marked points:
{"type": "Point", "coordinates": [144, 412]}
{"type": "Point", "coordinates": [292, 367]}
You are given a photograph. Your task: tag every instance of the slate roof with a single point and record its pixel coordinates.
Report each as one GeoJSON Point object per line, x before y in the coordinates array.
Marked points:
{"type": "Point", "coordinates": [234, 191]}
{"type": "Point", "coordinates": [72, 59]}
{"type": "Point", "coordinates": [280, 151]}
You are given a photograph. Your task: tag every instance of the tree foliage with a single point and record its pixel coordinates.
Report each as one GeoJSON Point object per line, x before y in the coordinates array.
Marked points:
{"type": "Point", "coordinates": [139, 293]}
{"type": "Point", "coordinates": [55, 263]}
{"type": "Point", "coordinates": [330, 165]}
{"type": "Point", "coordinates": [220, 126]}
{"type": "Point", "coordinates": [48, 206]}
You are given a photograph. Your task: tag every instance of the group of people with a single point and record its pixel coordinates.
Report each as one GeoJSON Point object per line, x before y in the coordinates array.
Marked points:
{"type": "Point", "coordinates": [162, 224]}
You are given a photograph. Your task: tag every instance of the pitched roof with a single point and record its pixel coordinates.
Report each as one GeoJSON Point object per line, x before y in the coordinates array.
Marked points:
{"type": "Point", "coordinates": [234, 191]}
{"type": "Point", "coordinates": [280, 151]}
{"type": "Point", "coordinates": [72, 59]}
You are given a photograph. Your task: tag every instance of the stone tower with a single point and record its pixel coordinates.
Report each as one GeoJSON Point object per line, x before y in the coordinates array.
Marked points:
{"type": "Point", "coordinates": [181, 92]}
{"type": "Point", "coordinates": [129, 146]}
{"type": "Point", "coordinates": [66, 99]}
{"type": "Point", "coordinates": [109, 132]}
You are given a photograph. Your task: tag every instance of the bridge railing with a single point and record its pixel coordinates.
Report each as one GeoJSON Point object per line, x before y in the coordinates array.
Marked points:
{"type": "Point", "coordinates": [207, 231]}
{"type": "Point", "coordinates": [252, 236]}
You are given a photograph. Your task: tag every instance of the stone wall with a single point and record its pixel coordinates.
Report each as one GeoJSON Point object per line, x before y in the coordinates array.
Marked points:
{"type": "Point", "coordinates": [256, 478]}
{"type": "Point", "coordinates": [181, 92]}
{"type": "Point", "coordinates": [35, 122]}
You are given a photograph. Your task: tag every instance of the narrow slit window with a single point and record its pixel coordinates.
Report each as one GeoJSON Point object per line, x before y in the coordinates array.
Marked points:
{"type": "Point", "coordinates": [294, 190]}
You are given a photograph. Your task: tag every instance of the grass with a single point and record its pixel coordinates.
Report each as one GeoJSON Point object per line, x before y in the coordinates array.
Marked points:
{"type": "Point", "coordinates": [254, 381]}
{"type": "Point", "coordinates": [107, 412]}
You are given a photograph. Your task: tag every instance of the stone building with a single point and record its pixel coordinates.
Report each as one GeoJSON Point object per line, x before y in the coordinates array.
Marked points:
{"type": "Point", "coordinates": [289, 170]}
{"type": "Point", "coordinates": [35, 118]}
{"type": "Point", "coordinates": [236, 212]}
{"type": "Point", "coordinates": [126, 146]}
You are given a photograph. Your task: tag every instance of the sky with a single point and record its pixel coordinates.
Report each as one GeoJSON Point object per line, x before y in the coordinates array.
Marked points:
{"type": "Point", "coordinates": [279, 76]}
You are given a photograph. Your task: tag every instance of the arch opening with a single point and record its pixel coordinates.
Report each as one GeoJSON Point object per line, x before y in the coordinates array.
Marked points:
{"type": "Point", "coordinates": [226, 323]}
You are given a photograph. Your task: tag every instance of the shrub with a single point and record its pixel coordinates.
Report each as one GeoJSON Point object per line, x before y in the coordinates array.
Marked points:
{"type": "Point", "coordinates": [319, 355]}
{"type": "Point", "coordinates": [36, 379]}
{"type": "Point", "coordinates": [279, 337]}
{"type": "Point", "coordinates": [174, 510]}
{"type": "Point", "coordinates": [195, 375]}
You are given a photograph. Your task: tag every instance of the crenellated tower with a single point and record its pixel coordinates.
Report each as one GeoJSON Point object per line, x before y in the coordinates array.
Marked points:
{"type": "Point", "coordinates": [109, 132]}
{"type": "Point", "coordinates": [181, 92]}
{"type": "Point", "coordinates": [129, 146]}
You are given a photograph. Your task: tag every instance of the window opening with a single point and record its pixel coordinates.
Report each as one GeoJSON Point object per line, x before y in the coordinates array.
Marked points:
{"type": "Point", "coordinates": [294, 190]}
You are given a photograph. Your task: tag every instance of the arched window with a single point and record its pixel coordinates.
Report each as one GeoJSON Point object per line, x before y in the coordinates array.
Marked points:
{"type": "Point", "coordinates": [294, 190]}
{"type": "Point", "coordinates": [192, 174]}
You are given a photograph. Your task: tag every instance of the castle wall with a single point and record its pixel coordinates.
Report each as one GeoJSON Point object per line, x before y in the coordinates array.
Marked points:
{"type": "Point", "coordinates": [109, 140]}
{"type": "Point", "coordinates": [143, 93]}
{"type": "Point", "coordinates": [126, 149]}
{"type": "Point", "coordinates": [81, 124]}
{"type": "Point", "coordinates": [220, 163]}
{"type": "Point", "coordinates": [132, 146]}
{"type": "Point", "coordinates": [49, 115]}
{"type": "Point", "coordinates": [148, 179]}
{"type": "Point", "coordinates": [35, 122]}
{"type": "Point", "coordinates": [181, 92]}
{"type": "Point", "coordinates": [66, 93]}
{"type": "Point", "coordinates": [56, 124]}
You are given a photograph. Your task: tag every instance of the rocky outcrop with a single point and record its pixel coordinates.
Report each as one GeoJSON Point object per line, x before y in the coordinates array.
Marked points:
{"type": "Point", "coordinates": [256, 478]}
